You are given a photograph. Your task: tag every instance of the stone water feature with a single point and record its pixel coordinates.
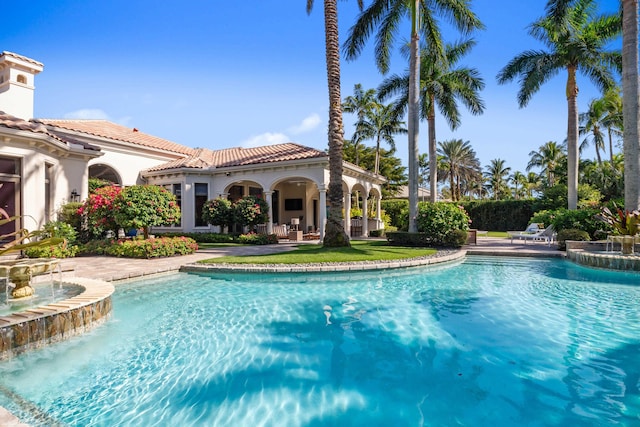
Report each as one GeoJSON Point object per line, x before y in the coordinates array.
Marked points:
{"type": "Point", "coordinates": [19, 273]}
{"type": "Point", "coordinates": [595, 254]}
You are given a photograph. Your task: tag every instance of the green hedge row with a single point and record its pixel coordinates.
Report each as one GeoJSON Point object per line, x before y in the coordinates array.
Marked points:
{"type": "Point", "coordinates": [149, 248]}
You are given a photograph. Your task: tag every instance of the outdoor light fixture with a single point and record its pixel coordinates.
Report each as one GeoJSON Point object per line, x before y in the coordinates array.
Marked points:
{"type": "Point", "coordinates": [75, 197]}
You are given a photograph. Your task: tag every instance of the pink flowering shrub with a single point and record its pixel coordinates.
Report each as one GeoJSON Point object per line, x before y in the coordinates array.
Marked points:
{"type": "Point", "coordinates": [251, 211]}
{"type": "Point", "coordinates": [98, 211]}
{"type": "Point", "coordinates": [148, 248]}
{"type": "Point", "coordinates": [144, 206]}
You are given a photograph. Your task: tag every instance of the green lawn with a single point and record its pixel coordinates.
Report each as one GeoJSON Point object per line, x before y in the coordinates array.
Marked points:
{"type": "Point", "coordinates": [497, 234]}
{"type": "Point", "coordinates": [360, 250]}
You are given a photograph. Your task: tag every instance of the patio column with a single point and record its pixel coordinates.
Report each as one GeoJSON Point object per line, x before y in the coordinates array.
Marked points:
{"type": "Point", "coordinates": [378, 212]}
{"type": "Point", "coordinates": [365, 218]}
{"type": "Point", "coordinates": [268, 199]}
{"type": "Point", "coordinates": [347, 213]}
{"type": "Point", "coordinates": [322, 190]}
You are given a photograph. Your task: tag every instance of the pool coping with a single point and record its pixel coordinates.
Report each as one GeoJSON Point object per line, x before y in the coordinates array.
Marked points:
{"type": "Point", "coordinates": [437, 258]}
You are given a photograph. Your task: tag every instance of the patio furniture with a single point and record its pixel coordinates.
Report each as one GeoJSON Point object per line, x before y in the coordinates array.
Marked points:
{"type": "Point", "coordinates": [281, 231]}
{"type": "Point", "coordinates": [356, 227]}
{"type": "Point", "coordinates": [547, 235]}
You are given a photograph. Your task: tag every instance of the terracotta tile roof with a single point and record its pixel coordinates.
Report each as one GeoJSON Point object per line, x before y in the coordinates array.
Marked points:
{"type": "Point", "coordinates": [229, 157]}
{"type": "Point", "coordinates": [12, 122]}
{"type": "Point", "coordinates": [109, 130]}
{"type": "Point", "coordinates": [22, 58]}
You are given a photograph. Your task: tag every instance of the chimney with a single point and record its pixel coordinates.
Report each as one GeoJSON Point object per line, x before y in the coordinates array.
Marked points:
{"type": "Point", "coordinates": [17, 75]}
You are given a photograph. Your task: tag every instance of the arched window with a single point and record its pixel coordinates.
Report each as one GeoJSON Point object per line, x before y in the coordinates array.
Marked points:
{"type": "Point", "coordinates": [22, 79]}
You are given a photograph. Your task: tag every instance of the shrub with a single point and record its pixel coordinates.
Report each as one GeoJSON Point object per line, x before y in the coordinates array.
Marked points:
{"type": "Point", "coordinates": [438, 220]}
{"type": "Point", "coordinates": [556, 197]}
{"type": "Point", "coordinates": [148, 248]}
{"type": "Point", "coordinates": [564, 219]}
{"type": "Point", "coordinates": [398, 212]}
{"type": "Point", "coordinates": [456, 238]}
{"type": "Point", "coordinates": [218, 212]}
{"type": "Point", "coordinates": [56, 230]}
{"type": "Point", "coordinates": [571, 234]}
{"type": "Point", "coordinates": [258, 239]}
{"type": "Point", "coordinates": [251, 211]}
{"type": "Point", "coordinates": [144, 206]}
{"type": "Point", "coordinates": [98, 211]}
{"type": "Point", "coordinates": [203, 237]}
{"type": "Point", "coordinates": [499, 215]}
{"type": "Point", "coordinates": [69, 213]}
{"type": "Point", "coordinates": [377, 233]}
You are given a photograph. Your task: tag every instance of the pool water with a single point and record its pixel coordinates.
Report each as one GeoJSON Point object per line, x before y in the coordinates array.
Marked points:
{"type": "Point", "coordinates": [487, 342]}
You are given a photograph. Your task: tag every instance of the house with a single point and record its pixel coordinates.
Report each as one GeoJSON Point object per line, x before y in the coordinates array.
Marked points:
{"type": "Point", "coordinates": [45, 163]}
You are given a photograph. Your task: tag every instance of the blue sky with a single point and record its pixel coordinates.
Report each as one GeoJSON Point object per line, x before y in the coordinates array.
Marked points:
{"type": "Point", "coordinates": [228, 74]}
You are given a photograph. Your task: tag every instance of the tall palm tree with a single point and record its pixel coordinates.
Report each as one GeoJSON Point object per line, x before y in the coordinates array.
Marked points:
{"type": "Point", "coordinates": [457, 161]}
{"type": "Point", "coordinates": [441, 84]}
{"type": "Point", "coordinates": [592, 129]}
{"type": "Point", "coordinates": [519, 184]}
{"type": "Point", "coordinates": [533, 183]}
{"type": "Point", "coordinates": [382, 125]}
{"type": "Point", "coordinates": [611, 104]}
{"type": "Point", "coordinates": [497, 176]}
{"type": "Point", "coordinates": [548, 157]}
{"type": "Point", "coordinates": [631, 109]}
{"type": "Point", "coordinates": [386, 16]}
{"type": "Point", "coordinates": [576, 42]}
{"type": "Point", "coordinates": [360, 103]}
{"type": "Point", "coordinates": [334, 236]}
{"type": "Point", "coordinates": [630, 89]}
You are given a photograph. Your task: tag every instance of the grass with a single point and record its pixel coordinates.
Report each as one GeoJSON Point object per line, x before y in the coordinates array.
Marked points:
{"type": "Point", "coordinates": [497, 234]}
{"type": "Point", "coordinates": [360, 250]}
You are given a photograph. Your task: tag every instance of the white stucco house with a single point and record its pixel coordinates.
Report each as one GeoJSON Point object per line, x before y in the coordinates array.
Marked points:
{"type": "Point", "coordinates": [45, 163]}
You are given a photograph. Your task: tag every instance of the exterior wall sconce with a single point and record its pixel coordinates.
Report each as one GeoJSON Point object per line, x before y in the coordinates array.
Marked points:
{"type": "Point", "coordinates": [75, 197]}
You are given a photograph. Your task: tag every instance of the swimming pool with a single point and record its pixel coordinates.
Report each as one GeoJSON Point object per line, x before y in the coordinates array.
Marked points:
{"type": "Point", "coordinates": [490, 341]}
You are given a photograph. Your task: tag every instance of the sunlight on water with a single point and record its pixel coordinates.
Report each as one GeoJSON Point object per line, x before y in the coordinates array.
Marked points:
{"type": "Point", "coordinates": [498, 342]}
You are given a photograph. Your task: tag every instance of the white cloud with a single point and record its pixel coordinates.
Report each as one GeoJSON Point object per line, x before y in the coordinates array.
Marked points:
{"type": "Point", "coordinates": [308, 124]}
{"type": "Point", "coordinates": [267, 138]}
{"type": "Point", "coordinates": [88, 113]}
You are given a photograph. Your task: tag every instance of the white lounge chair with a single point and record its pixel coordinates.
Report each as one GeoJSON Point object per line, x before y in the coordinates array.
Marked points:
{"type": "Point", "coordinates": [546, 235]}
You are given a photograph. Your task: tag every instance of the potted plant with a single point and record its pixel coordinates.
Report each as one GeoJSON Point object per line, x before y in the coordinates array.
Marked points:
{"type": "Point", "coordinates": [624, 223]}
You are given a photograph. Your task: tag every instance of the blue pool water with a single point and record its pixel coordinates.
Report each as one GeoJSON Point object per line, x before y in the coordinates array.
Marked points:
{"type": "Point", "coordinates": [487, 342]}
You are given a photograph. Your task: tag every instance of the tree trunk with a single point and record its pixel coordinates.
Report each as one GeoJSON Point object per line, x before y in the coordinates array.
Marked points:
{"type": "Point", "coordinates": [413, 117]}
{"type": "Point", "coordinates": [630, 110]}
{"type": "Point", "coordinates": [376, 169]}
{"type": "Point", "coordinates": [433, 156]}
{"type": "Point", "coordinates": [335, 235]}
{"type": "Point", "coordinates": [573, 155]}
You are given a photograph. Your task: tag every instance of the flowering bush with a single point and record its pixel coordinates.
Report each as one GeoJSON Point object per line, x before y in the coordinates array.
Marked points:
{"type": "Point", "coordinates": [60, 231]}
{"type": "Point", "coordinates": [218, 212]}
{"type": "Point", "coordinates": [438, 220]}
{"type": "Point", "coordinates": [144, 206]}
{"type": "Point", "coordinates": [251, 211]}
{"type": "Point", "coordinates": [98, 210]}
{"type": "Point", "coordinates": [148, 248]}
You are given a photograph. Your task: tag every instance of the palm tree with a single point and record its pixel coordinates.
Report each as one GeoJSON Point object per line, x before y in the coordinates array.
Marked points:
{"type": "Point", "coordinates": [631, 109]}
{"type": "Point", "coordinates": [360, 104]}
{"type": "Point", "coordinates": [576, 41]}
{"type": "Point", "coordinates": [443, 85]}
{"type": "Point", "coordinates": [382, 124]}
{"type": "Point", "coordinates": [496, 173]}
{"type": "Point", "coordinates": [388, 16]}
{"type": "Point", "coordinates": [591, 128]}
{"type": "Point", "coordinates": [518, 179]}
{"type": "Point", "coordinates": [631, 106]}
{"type": "Point", "coordinates": [334, 236]}
{"type": "Point", "coordinates": [458, 161]}
{"type": "Point", "coordinates": [533, 183]}
{"type": "Point", "coordinates": [548, 158]}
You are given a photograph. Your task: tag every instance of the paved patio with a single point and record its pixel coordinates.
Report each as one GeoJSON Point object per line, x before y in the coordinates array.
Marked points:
{"type": "Point", "coordinates": [120, 269]}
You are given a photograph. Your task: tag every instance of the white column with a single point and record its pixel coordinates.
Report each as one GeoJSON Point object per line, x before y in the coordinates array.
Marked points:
{"type": "Point", "coordinates": [365, 218]}
{"type": "Point", "coordinates": [323, 210]}
{"type": "Point", "coordinates": [268, 199]}
{"type": "Point", "coordinates": [379, 212]}
{"type": "Point", "coordinates": [347, 213]}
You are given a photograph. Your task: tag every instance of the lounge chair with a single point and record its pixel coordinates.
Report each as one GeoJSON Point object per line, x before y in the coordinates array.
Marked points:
{"type": "Point", "coordinates": [546, 235]}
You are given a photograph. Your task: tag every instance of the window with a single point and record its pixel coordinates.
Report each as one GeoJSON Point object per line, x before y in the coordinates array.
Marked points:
{"type": "Point", "coordinates": [48, 169]}
{"type": "Point", "coordinates": [201, 193]}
